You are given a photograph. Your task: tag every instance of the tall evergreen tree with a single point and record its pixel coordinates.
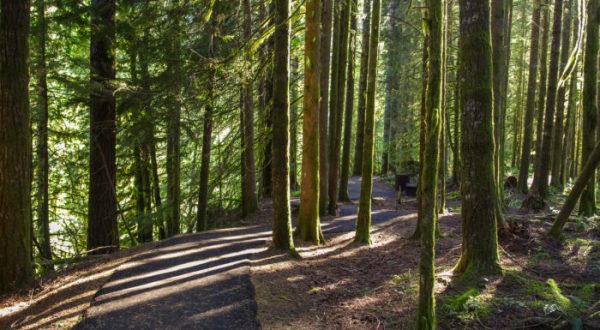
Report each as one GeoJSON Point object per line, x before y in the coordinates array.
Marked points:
{"type": "Point", "coordinates": [362, 87]}
{"type": "Point", "coordinates": [363, 220]}
{"type": "Point", "coordinates": [43, 219]}
{"type": "Point", "coordinates": [479, 230]}
{"type": "Point", "coordinates": [309, 227]}
{"type": "Point", "coordinates": [587, 203]}
{"type": "Point", "coordinates": [15, 147]}
{"type": "Point", "coordinates": [282, 221]}
{"type": "Point", "coordinates": [103, 235]}
{"type": "Point", "coordinates": [540, 179]}
{"type": "Point", "coordinates": [325, 66]}
{"type": "Point", "coordinates": [429, 180]}
{"type": "Point", "coordinates": [522, 185]}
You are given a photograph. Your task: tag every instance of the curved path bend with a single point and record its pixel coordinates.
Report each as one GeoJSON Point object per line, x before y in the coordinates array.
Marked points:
{"type": "Point", "coordinates": [199, 281]}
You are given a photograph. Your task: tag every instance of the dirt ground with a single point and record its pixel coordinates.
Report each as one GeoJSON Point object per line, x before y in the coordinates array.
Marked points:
{"type": "Point", "coordinates": [342, 285]}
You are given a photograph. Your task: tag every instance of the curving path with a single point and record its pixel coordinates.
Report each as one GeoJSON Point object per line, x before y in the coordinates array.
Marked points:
{"type": "Point", "coordinates": [199, 281]}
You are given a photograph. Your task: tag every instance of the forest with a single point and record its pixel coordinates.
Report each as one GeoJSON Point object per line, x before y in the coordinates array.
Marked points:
{"type": "Point", "coordinates": [310, 164]}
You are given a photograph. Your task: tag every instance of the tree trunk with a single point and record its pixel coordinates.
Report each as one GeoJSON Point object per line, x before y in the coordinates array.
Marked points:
{"type": "Point", "coordinates": [557, 140]}
{"type": "Point", "coordinates": [429, 180]}
{"type": "Point", "coordinates": [102, 202]}
{"type": "Point", "coordinates": [15, 147]}
{"type": "Point", "coordinates": [174, 131]}
{"type": "Point", "coordinates": [587, 203]}
{"type": "Point", "coordinates": [309, 226]}
{"type": "Point", "coordinates": [336, 111]}
{"type": "Point", "coordinates": [587, 175]}
{"type": "Point", "coordinates": [282, 222]}
{"type": "Point", "coordinates": [345, 166]}
{"type": "Point", "coordinates": [203, 193]}
{"type": "Point", "coordinates": [478, 190]}
{"type": "Point", "coordinates": [325, 65]}
{"type": "Point", "coordinates": [363, 221]}
{"type": "Point", "coordinates": [522, 185]}
{"type": "Point", "coordinates": [362, 88]}
{"type": "Point", "coordinates": [250, 203]}
{"type": "Point", "coordinates": [267, 106]}
{"type": "Point", "coordinates": [43, 220]}
{"type": "Point", "coordinates": [542, 90]}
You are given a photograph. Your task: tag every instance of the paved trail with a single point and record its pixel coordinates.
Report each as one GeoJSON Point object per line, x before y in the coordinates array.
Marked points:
{"type": "Point", "coordinates": [199, 281]}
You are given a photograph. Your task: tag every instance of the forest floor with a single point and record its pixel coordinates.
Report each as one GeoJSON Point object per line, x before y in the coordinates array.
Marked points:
{"type": "Point", "coordinates": [229, 279]}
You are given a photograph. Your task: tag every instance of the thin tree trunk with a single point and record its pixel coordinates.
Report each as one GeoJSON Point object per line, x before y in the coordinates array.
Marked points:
{"type": "Point", "coordinates": [540, 178]}
{"type": "Point", "coordinates": [345, 166]}
{"type": "Point", "coordinates": [43, 220]}
{"type": "Point", "coordinates": [282, 221]}
{"type": "Point", "coordinates": [429, 180]}
{"type": "Point", "coordinates": [250, 202]}
{"type": "Point", "coordinates": [363, 221]}
{"type": "Point", "coordinates": [522, 184]}
{"type": "Point", "coordinates": [362, 88]}
{"type": "Point", "coordinates": [203, 193]}
{"type": "Point", "coordinates": [325, 63]}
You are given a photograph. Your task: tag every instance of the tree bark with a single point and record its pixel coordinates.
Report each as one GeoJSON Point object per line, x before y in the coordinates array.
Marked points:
{"type": "Point", "coordinates": [429, 180]}
{"type": "Point", "coordinates": [282, 222]}
{"type": "Point", "coordinates": [478, 190]}
{"type": "Point", "coordinates": [102, 202]}
{"type": "Point", "coordinates": [325, 66]}
{"type": "Point", "coordinates": [309, 226]}
{"type": "Point", "coordinates": [522, 184]}
{"type": "Point", "coordinates": [362, 88]}
{"type": "Point", "coordinates": [250, 202]}
{"type": "Point", "coordinates": [15, 147]}
{"type": "Point", "coordinates": [363, 221]}
{"type": "Point", "coordinates": [587, 203]}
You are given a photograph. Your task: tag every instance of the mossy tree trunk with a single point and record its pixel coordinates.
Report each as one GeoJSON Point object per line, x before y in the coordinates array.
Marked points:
{"type": "Point", "coordinates": [478, 190]}
{"type": "Point", "coordinates": [362, 88]}
{"type": "Point", "coordinates": [542, 88]}
{"type": "Point", "coordinates": [15, 147]}
{"type": "Point", "coordinates": [336, 109]}
{"type": "Point", "coordinates": [363, 221]}
{"type": "Point", "coordinates": [282, 221]}
{"type": "Point", "coordinates": [349, 113]}
{"type": "Point", "coordinates": [587, 175]}
{"type": "Point", "coordinates": [434, 19]}
{"type": "Point", "coordinates": [534, 51]}
{"type": "Point", "coordinates": [102, 201]}
{"type": "Point", "coordinates": [587, 203]}
{"type": "Point", "coordinates": [557, 135]}
{"type": "Point", "coordinates": [325, 66]}
{"type": "Point", "coordinates": [249, 200]}
{"type": "Point", "coordinates": [540, 179]}
{"type": "Point", "coordinates": [309, 226]}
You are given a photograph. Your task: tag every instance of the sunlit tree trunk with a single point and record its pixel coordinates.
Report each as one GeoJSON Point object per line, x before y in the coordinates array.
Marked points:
{"type": "Point", "coordinates": [434, 18]}
{"type": "Point", "coordinates": [309, 227]}
{"type": "Point", "coordinates": [282, 222]}
{"type": "Point", "coordinates": [15, 147]}
{"type": "Point", "coordinates": [478, 190]}
{"type": "Point", "coordinates": [325, 66]}
{"type": "Point", "coordinates": [363, 221]}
